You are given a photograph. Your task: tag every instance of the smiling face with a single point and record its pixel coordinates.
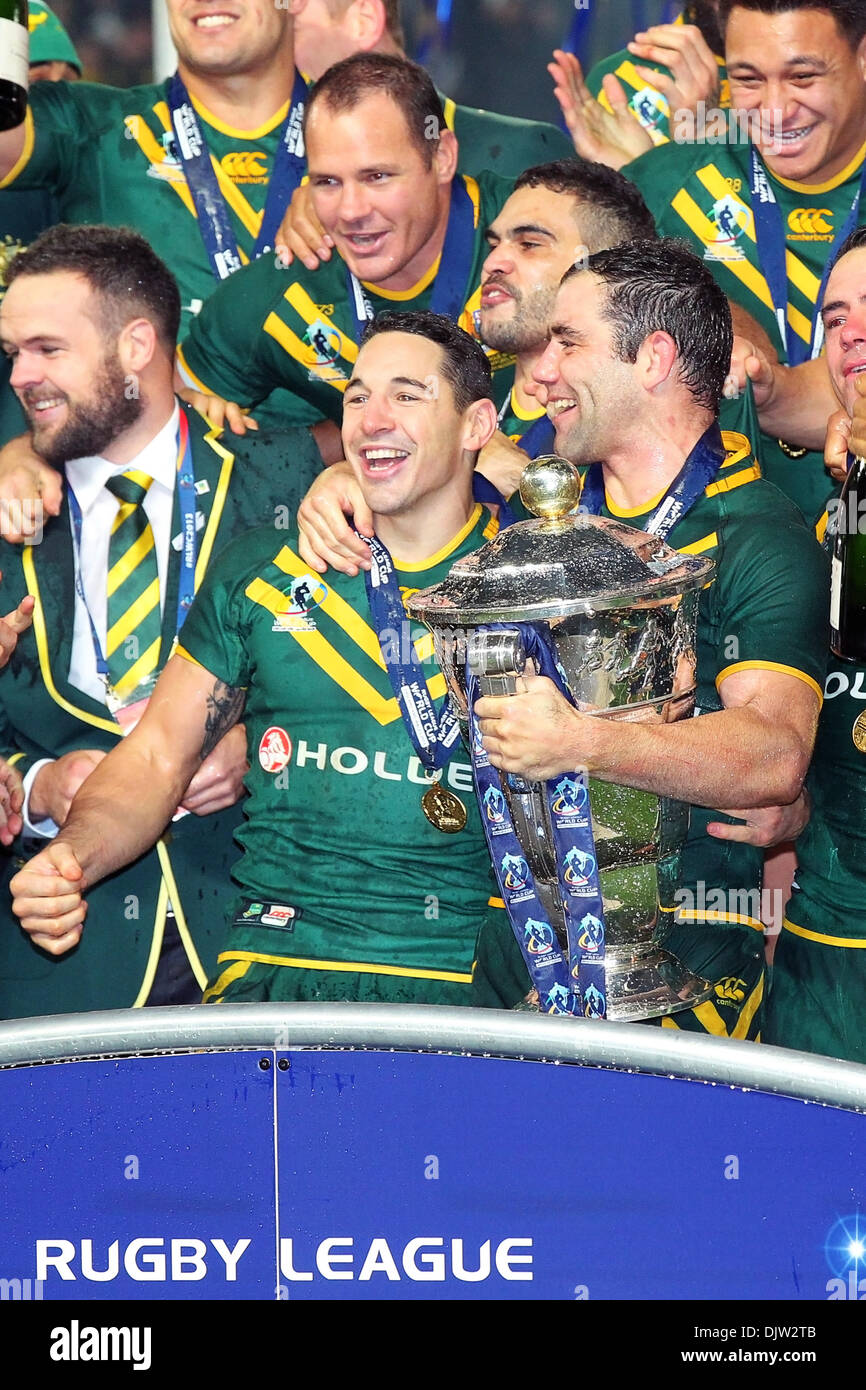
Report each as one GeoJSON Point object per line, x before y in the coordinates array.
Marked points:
{"type": "Point", "coordinates": [799, 71]}
{"type": "Point", "coordinates": [844, 315]}
{"type": "Point", "coordinates": [532, 242]}
{"type": "Point", "coordinates": [587, 390]}
{"type": "Point", "coordinates": [222, 38]}
{"type": "Point", "coordinates": [373, 191]}
{"type": "Point", "coordinates": [71, 385]}
{"type": "Point", "coordinates": [402, 432]}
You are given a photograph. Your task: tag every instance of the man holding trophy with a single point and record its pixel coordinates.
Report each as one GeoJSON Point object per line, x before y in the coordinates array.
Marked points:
{"type": "Point", "coordinates": [632, 378]}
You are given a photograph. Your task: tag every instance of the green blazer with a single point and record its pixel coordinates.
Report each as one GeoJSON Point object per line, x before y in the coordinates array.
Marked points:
{"type": "Point", "coordinates": [240, 483]}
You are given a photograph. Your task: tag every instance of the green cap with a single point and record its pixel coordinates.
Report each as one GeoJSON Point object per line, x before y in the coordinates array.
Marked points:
{"type": "Point", "coordinates": [49, 41]}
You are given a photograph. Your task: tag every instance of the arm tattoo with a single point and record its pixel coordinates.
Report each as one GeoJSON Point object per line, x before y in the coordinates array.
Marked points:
{"type": "Point", "coordinates": [224, 708]}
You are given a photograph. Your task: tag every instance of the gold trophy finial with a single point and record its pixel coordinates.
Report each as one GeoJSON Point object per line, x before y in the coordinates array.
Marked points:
{"type": "Point", "coordinates": [550, 487]}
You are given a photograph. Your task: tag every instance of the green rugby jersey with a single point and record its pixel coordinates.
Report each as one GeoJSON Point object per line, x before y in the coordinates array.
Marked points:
{"type": "Point", "coordinates": [270, 326]}
{"type": "Point", "coordinates": [702, 193]}
{"type": "Point", "coordinates": [765, 608]}
{"type": "Point", "coordinates": [334, 824]}
{"type": "Point", "coordinates": [646, 102]}
{"type": "Point", "coordinates": [503, 144]}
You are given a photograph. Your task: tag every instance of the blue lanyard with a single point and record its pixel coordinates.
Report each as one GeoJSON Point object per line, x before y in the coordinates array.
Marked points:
{"type": "Point", "coordinates": [576, 986]}
{"type": "Point", "coordinates": [189, 547]}
{"type": "Point", "coordinates": [770, 239]}
{"type": "Point", "coordinates": [451, 285]}
{"type": "Point", "coordinates": [214, 222]}
{"type": "Point", "coordinates": [699, 469]}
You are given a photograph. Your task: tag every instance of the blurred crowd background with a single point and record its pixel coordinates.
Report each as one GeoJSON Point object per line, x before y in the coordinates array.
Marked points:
{"type": "Point", "coordinates": [490, 53]}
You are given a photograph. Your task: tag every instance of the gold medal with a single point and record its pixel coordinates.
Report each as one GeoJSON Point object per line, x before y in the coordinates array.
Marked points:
{"type": "Point", "coordinates": [443, 809]}
{"type": "Point", "coordinates": [858, 733]}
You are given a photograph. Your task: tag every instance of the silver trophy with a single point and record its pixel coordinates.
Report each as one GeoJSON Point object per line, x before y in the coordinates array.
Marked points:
{"type": "Point", "coordinates": [619, 608]}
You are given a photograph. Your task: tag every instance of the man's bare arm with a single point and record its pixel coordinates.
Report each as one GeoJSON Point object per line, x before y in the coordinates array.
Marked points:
{"type": "Point", "coordinates": [11, 148]}
{"type": "Point", "coordinates": [126, 802]}
{"type": "Point", "coordinates": [754, 752]}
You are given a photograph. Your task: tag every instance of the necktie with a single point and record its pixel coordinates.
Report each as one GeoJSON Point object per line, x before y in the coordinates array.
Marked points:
{"type": "Point", "coordinates": [133, 614]}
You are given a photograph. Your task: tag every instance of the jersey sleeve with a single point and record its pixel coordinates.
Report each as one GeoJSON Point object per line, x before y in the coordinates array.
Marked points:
{"type": "Point", "coordinates": [213, 635]}
{"type": "Point", "coordinates": [774, 595]}
{"type": "Point", "coordinates": [225, 352]}
{"type": "Point", "coordinates": [58, 127]}
{"type": "Point", "coordinates": [658, 175]}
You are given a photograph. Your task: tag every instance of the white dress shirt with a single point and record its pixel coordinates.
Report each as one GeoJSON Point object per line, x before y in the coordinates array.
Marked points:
{"type": "Point", "coordinates": [87, 478]}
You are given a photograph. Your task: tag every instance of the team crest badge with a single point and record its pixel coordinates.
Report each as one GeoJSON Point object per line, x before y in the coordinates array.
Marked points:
{"type": "Point", "coordinates": [730, 218]}
{"type": "Point", "coordinates": [305, 595]}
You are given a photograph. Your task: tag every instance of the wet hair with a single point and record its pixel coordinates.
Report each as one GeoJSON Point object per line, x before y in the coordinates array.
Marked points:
{"type": "Point", "coordinates": [662, 286]}
{"type": "Point", "coordinates": [612, 209]}
{"type": "Point", "coordinates": [346, 84]}
{"type": "Point", "coordinates": [464, 362]}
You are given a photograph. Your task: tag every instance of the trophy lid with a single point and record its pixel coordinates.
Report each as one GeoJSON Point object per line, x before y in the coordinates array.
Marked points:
{"type": "Point", "coordinates": [565, 563]}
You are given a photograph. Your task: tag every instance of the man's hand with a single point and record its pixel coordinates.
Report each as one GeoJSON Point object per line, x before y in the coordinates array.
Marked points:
{"type": "Point", "coordinates": [858, 419]}
{"type": "Point", "coordinates": [837, 445]}
{"type": "Point", "coordinates": [608, 137]}
{"type": "Point", "coordinates": [29, 491]}
{"type": "Point", "coordinates": [47, 898]}
{"type": "Point", "coordinates": [11, 801]}
{"type": "Point", "coordinates": [502, 462]}
{"type": "Point", "coordinates": [766, 826]}
{"type": "Point", "coordinates": [301, 233]}
{"type": "Point", "coordinates": [13, 625]}
{"type": "Point", "coordinates": [750, 363]}
{"type": "Point", "coordinates": [326, 537]}
{"type": "Point", "coordinates": [219, 412]}
{"type": "Point", "coordinates": [55, 784]}
{"type": "Point", "coordinates": [531, 732]}
{"type": "Point", "coordinates": [694, 70]}
{"type": "Point", "coordinates": [219, 782]}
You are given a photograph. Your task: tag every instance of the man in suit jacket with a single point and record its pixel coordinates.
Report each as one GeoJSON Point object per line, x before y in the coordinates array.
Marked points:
{"type": "Point", "coordinates": [90, 321]}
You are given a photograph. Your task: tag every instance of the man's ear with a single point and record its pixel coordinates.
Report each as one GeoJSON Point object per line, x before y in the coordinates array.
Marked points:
{"type": "Point", "coordinates": [656, 360]}
{"type": "Point", "coordinates": [445, 158]}
{"type": "Point", "coordinates": [480, 425]}
{"type": "Point", "coordinates": [137, 345]}
{"type": "Point", "coordinates": [366, 23]}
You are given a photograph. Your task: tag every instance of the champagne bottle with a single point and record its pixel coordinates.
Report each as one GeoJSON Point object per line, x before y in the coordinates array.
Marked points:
{"type": "Point", "coordinates": [848, 569]}
{"type": "Point", "coordinates": [14, 62]}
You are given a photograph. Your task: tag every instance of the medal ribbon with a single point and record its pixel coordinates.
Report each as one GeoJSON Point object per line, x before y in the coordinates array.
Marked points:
{"type": "Point", "coordinates": [770, 239]}
{"type": "Point", "coordinates": [451, 284]}
{"type": "Point", "coordinates": [186, 586]}
{"type": "Point", "coordinates": [215, 224]}
{"type": "Point", "coordinates": [576, 986]}
{"type": "Point", "coordinates": [699, 469]}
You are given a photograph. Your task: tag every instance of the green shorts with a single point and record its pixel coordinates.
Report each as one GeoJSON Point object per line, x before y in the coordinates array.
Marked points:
{"type": "Point", "coordinates": [817, 997]}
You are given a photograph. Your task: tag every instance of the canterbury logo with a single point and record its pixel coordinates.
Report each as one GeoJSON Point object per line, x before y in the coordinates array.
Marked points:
{"type": "Point", "coordinates": [245, 165]}
{"type": "Point", "coordinates": [810, 221]}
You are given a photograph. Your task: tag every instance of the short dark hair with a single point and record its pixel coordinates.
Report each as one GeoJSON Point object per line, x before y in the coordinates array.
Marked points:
{"type": "Point", "coordinates": [612, 208]}
{"type": "Point", "coordinates": [346, 84]}
{"type": "Point", "coordinates": [855, 241]}
{"type": "Point", "coordinates": [123, 270]}
{"type": "Point", "coordinates": [465, 366]}
{"type": "Point", "coordinates": [662, 286]}
{"type": "Point", "coordinates": [850, 15]}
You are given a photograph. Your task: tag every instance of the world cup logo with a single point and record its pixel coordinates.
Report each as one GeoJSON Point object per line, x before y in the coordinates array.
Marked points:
{"type": "Point", "coordinates": [515, 872]}
{"type": "Point", "coordinates": [579, 869]}
{"type": "Point", "coordinates": [569, 797]}
{"type": "Point", "coordinates": [537, 937]}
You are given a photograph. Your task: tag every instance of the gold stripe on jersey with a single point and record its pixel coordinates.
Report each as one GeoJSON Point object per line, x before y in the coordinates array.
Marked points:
{"type": "Point", "coordinates": [247, 215]}
{"type": "Point", "coordinates": [695, 219]}
{"type": "Point", "coordinates": [351, 622]}
{"type": "Point", "coordinates": [711, 1020]}
{"type": "Point", "coordinates": [771, 666]}
{"type": "Point", "coordinates": [449, 109]}
{"type": "Point", "coordinates": [855, 943]}
{"type": "Point", "coordinates": [294, 347]}
{"type": "Point", "coordinates": [360, 967]}
{"type": "Point", "coordinates": [745, 475]}
{"type": "Point", "coordinates": [737, 447]}
{"type": "Point", "coordinates": [799, 274]}
{"type": "Point", "coordinates": [154, 153]}
{"type": "Point", "coordinates": [698, 547]}
{"type": "Point", "coordinates": [26, 154]}
{"type": "Point", "coordinates": [301, 302]}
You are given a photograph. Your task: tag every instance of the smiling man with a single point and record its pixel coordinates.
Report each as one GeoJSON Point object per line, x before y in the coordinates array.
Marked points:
{"type": "Point", "coordinates": [408, 232]}
{"type": "Point", "coordinates": [360, 878]}
{"type": "Point", "coordinates": [632, 377]}
{"type": "Point", "coordinates": [768, 217]}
